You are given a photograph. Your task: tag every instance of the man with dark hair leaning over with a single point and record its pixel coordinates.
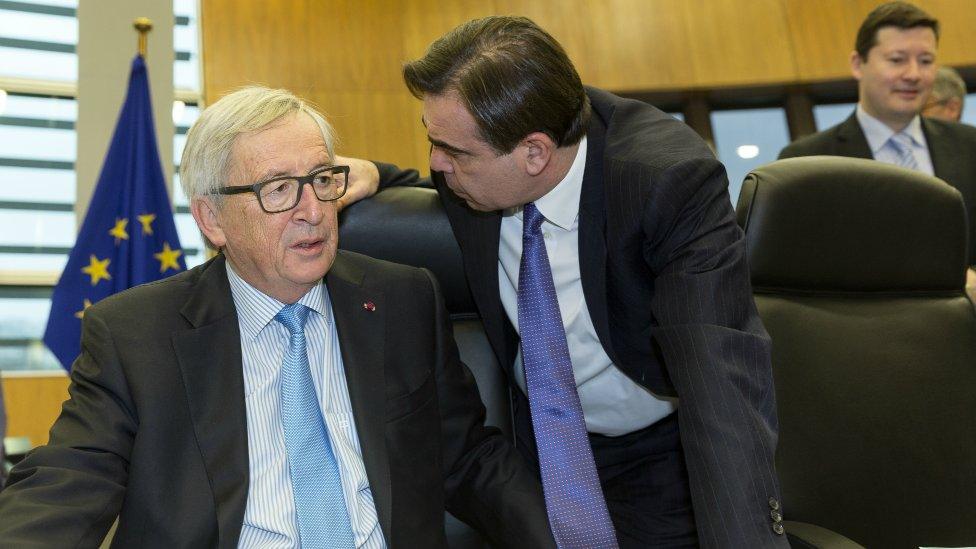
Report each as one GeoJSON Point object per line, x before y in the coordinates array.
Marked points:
{"type": "Point", "coordinates": [283, 394]}
{"type": "Point", "coordinates": [601, 249]}
{"type": "Point", "coordinates": [894, 62]}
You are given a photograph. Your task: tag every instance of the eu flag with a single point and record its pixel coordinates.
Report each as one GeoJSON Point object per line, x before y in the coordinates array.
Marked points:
{"type": "Point", "coordinates": [128, 236]}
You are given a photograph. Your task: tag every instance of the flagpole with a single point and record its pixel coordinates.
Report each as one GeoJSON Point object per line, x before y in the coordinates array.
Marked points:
{"type": "Point", "coordinates": [143, 25]}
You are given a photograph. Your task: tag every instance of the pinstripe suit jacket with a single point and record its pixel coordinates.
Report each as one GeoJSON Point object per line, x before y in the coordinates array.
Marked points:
{"type": "Point", "coordinates": [156, 432]}
{"type": "Point", "coordinates": [665, 279]}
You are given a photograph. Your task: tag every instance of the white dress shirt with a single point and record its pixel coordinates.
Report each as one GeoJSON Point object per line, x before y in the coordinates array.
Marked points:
{"type": "Point", "coordinates": [612, 403]}
{"type": "Point", "coordinates": [878, 134]}
{"type": "Point", "coordinates": [269, 517]}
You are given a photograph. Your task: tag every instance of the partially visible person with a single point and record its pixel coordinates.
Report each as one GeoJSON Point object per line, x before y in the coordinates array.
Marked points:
{"type": "Point", "coordinates": [602, 252]}
{"type": "Point", "coordinates": [948, 96]}
{"type": "Point", "coordinates": [894, 62]}
{"type": "Point", "coordinates": [283, 394]}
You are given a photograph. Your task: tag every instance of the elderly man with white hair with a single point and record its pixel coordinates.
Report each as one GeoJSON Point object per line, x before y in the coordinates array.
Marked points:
{"type": "Point", "coordinates": [282, 394]}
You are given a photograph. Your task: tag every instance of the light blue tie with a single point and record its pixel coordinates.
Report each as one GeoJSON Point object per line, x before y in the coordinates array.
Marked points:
{"type": "Point", "coordinates": [902, 144]}
{"type": "Point", "coordinates": [575, 504]}
{"type": "Point", "coordinates": [323, 521]}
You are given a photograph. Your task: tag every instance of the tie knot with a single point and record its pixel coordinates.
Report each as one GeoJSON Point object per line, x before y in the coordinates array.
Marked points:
{"type": "Point", "coordinates": [293, 317]}
{"type": "Point", "coordinates": [532, 219]}
{"type": "Point", "coordinates": [902, 141]}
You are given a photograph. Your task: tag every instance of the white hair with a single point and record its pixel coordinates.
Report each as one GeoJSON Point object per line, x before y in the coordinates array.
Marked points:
{"type": "Point", "coordinates": [948, 84]}
{"type": "Point", "coordinates": [210, 141]}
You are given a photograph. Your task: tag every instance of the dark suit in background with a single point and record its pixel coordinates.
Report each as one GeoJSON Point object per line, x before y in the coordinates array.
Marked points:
{"type": "Point", "coordinates": [952, 147]}
{"type": "Point", "coordinates": [156, 429]}
{"type": "Point", "coordinates": [666, 283]}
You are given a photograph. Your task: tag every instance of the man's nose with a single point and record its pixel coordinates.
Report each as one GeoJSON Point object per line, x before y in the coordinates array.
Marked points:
{"type": "Point", "coordinates": [913, 71]}
{"type": "Point", "coordinates": [309, 207]}
{"type": "Point", "coordinates": [439, 161]}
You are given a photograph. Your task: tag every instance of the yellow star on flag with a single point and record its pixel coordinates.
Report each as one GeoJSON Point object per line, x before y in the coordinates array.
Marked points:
{"type": "Point", "coordinates": [81, 313]}
{"type": "Point", "coordinates": [118, 231]}
{"type": "Point", "coordinates": [167, 258]}
{"type": "Point", "coordinates": [146, 220]}
{"type": "Point", "coordinates": [97, 269]}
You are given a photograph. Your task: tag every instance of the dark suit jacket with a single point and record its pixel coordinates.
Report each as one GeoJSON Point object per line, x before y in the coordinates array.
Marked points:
{"type": "Point", "coordinates": [952, 147]}
{"type": "Point", "coordinates": [665, 279]}
{"type": "Point", "coordinates": [155, 426]}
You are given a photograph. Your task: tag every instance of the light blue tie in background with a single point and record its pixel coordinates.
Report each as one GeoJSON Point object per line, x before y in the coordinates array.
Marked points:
{"type": "Point", "coordinates": [574, 500]}
{"type": "Point", "coordinates": [323, 521]}
{"type": "Point", "coordinates": [902, 144]}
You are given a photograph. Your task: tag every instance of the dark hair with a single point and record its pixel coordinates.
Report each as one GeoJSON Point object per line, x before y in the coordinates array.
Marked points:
{"type": "Point", "coordinates": [892, 14]}
{"type": "Point", "coordinates": [512, 76]}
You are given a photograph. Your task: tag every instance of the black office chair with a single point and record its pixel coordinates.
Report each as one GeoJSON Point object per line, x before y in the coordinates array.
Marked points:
{"type": "Point", "coordinates": [858, 272]}
{"type": "Point", "coordinates": [408, 225]}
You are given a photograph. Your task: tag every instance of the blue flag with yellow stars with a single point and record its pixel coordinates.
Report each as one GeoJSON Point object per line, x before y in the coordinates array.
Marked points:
{"type": "Point", "coordinates": [128, 236]}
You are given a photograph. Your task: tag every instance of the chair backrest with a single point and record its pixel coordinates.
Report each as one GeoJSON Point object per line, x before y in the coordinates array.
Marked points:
{"type": "Point", "coordinates": [408, 225]}
{"type": "Point", "coordinates": [858, 270]}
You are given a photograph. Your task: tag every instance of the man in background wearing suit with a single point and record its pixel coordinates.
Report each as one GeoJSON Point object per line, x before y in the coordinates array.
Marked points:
{"type": "Point", "coordinates": [948, 96]}
{"type": "Point", "coordinates": [601, 248]}
{"type": "Point", "coordinates": [894, 63]}
{"type": "Point", "coordinates": [250, 402]}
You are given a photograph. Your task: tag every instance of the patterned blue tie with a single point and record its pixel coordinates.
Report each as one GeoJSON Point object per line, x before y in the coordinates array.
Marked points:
{"type": "Point", "coordinates": [323, 521]}
{"type": "Point", "coordinates": [574, 501]}
{"type": "Point", "coordinates": [902, 144]}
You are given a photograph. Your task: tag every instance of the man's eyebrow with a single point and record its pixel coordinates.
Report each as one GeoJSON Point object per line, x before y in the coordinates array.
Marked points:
{"type": "Point", "coordinates": [446, 146]}
{"type": "Point", "coordinates": [440, 144]}
{"type": "Point", "coordinates": [273, 173]}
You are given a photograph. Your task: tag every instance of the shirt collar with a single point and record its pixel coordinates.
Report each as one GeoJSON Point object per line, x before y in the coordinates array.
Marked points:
{"type": "Point", "coordinates": [255, 309]}
{"type": "Point", "coordinates": [878, 133]}
{"type": "Point", "coordinates": [560, 206]}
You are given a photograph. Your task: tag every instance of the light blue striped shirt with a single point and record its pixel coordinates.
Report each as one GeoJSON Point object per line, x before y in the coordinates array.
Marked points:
{"type": "Point", "coordinates": [269, 517]}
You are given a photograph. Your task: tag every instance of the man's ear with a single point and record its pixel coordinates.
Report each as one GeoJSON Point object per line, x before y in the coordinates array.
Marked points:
{"type": "Point", "coordinates": [954, 105]}
{"type": "Point", "coordinates": [207, 216]}
{"type": "Point", "coordinates": [538, 149]}
{"type": "Point", "coordinates": [856, 65]}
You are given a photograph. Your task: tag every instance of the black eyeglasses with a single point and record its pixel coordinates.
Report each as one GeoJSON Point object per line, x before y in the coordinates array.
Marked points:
{"type": "Point", "coordinates": [280, 194]}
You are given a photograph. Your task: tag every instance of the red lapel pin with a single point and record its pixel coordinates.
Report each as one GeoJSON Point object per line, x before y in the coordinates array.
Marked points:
{"type": "Point", "coordinates": [369, 306]}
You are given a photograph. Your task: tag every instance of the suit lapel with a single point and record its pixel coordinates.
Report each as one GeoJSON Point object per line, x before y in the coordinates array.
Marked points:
{"type": "Point", "coordinates": [477, 234]}
{"type": "Point", "coordinates": [361, 339]}
{"type": "Point", "coordinates": [940, 152]}
{"type": "Point", "coordinates": [851, 141]}
{"type": "Point", "coordinates": [209, 355]}
{"type": "Point", "coordinates": [592, 235]}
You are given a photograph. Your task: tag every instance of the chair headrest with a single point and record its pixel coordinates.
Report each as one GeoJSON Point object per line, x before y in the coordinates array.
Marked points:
{"type": "Point", "coordinates": [824, 223]}
{"type": "Point", "coordinates": [408, 225]}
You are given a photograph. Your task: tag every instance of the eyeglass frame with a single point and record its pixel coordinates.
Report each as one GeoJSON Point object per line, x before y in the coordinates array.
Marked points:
{"type": "Point", "coordinates": [302, 181]}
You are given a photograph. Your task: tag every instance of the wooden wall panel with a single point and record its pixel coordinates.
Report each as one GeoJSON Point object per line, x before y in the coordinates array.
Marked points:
{"type": "Point", "coordinates": [957, 45]}
{"type": "Point", "coordinates": [33, 403]}
{"type": "Point", "coordinates": [823, 36]}
{"type": "Point", "coordinates": [423, 21]}
{"type": "Point", "coordinates": [347, 55]}
{"type": "Point", "coordinates": [351, 48]}
{"type": "Point", "coordinates": [382, 125]}
{"type": "Point", "coordinates": [627, 45]}
{"type": "Point", "coordinates": [738, 43]}
{"type": "Point", "coordinates": [255, 42]}
{"type": "Point", "coordinates": [824, 33]}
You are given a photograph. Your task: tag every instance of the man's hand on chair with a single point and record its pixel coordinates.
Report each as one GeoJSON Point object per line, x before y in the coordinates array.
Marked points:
{"type": "Point", "coordinates": [364, 180]}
